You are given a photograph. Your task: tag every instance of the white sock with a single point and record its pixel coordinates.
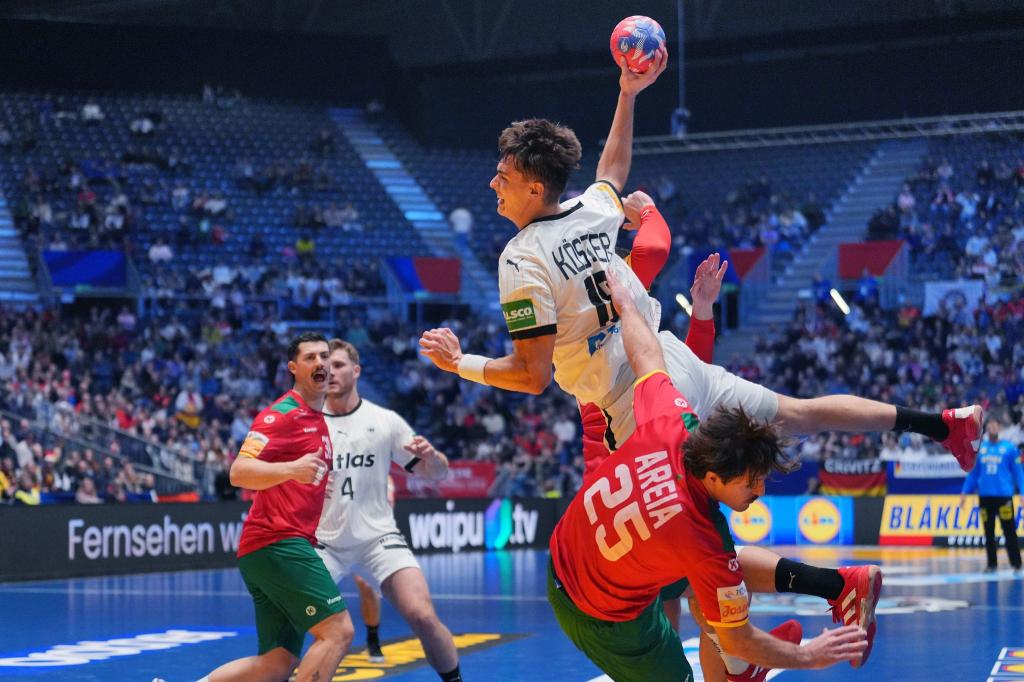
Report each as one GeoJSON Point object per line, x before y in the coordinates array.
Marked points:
{"type": "Point", "coordinates": [734, 666]}
{"type": "Point", "coordinates": [206, 678]}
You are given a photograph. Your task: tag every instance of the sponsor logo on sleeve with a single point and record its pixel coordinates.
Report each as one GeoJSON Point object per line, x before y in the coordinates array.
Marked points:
{"type": "Point", "coordinates": [519, 314]}
{"type": "Point", "coordinates": [253, 444]}
{"type": "Point", "coordinates": [734, 603]}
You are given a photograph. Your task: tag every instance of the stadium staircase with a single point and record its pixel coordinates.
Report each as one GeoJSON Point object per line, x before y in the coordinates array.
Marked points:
{"type": "Point", "coordinates": [419, 209]}
{"type": "Point", "coordinates": [875, 186]}
{"type": "Point", "coordinates": [16, 282]}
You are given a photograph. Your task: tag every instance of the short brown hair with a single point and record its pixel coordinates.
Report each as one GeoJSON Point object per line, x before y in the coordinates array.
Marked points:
{"type": "Point", "coordinates": [543, 151]}
{"type": "Point", "coordinates": [731, 443]}
{"type": "Point", "coordinates": [353, 354]}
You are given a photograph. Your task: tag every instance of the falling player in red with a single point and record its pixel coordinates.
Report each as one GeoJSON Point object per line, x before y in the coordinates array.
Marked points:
{"type": "Point", "coordinates": [650, 514]}
{"type": "Point", "coordinates": [850, 591]}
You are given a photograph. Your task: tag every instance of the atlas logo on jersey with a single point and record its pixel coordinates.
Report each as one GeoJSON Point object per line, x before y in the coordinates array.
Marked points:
{"type": "Point", "coordinates": [353, 461]}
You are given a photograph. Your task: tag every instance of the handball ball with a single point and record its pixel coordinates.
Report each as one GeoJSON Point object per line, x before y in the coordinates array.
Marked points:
{"type": "Point", "coordinates": [637, 38]}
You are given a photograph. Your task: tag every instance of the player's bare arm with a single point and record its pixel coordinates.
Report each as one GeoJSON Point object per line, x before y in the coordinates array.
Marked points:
{"type": "Point", "coordinates": [617, 156]}
{"type": "Point", "coordinates": [756, 646]}
{"type": "Point", "coordinates": [642, 347]}
{"type": "Point", "coordinates": [526, 370]}
{"type": "Point", "coordinates": [255, 474]}
{"type": "Point", "coordinates": [432, 464]}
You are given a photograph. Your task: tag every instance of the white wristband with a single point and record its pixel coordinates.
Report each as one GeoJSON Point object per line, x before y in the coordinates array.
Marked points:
{"type": "Point", "coordinates": [472, 367]}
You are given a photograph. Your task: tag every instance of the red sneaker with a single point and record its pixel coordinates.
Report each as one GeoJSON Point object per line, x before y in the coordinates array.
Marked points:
{"type": "Point", "coordinates": [790, 631]}
{"type": "Point", "coordinates": [964, 434]}
{"type": "Point", "coordinates": [862, 586]}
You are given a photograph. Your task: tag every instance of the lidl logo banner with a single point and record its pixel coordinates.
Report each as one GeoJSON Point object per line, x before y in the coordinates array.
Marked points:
{"type": "Point", "coordinates": [799, 519]}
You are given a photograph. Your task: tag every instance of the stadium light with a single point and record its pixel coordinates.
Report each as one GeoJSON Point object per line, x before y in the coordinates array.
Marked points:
{"type": "Point", "coordinates": [684, 303]}
{"type": "Point", "coordinates": [838, 298]}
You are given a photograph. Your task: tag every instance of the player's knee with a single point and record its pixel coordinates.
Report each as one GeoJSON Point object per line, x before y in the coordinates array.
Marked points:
{"type": "Point", "coordinates": [338, 630]}
{"type": "Point", "coordinates": [422, 617]}
{"type": "Point", "coordinates": [280, 663]}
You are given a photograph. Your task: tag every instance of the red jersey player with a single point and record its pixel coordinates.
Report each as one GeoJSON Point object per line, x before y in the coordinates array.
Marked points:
{"type": "Point", "coordinates": [650, 514]}
{"type": "Point", "coordinates": [292, 591]}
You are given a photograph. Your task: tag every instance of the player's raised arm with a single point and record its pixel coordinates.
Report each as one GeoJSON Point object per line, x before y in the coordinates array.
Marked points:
{"type": "Point", "coordinates": [527, 370]}
{"type": "Point", "coordinates": [617, 156]}
{"type": "Point", "coordinates": [642, 347]}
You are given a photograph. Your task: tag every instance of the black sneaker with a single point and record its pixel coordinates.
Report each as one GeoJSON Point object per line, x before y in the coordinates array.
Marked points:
{"type": "Point", "coordinates": [373, 652]}
{"type": "Point", "coordinates": [990, 569]}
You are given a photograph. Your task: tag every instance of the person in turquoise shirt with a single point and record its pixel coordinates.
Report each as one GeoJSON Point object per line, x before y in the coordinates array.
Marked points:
{"type": "Point", "coordinates": [993, 478]}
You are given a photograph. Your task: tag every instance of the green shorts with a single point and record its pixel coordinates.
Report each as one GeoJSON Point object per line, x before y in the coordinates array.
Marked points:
{"type": "Point", "coordinates": [292, 592]}
{"type": "Point", "coordinates": [676, 589]}
{"type": "Point", "coordinates": [639, 650]}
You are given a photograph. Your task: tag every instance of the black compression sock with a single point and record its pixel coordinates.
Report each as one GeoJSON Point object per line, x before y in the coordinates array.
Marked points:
{"type": "Point", "coordinates": [452, 675]}
{"type": "Point", "coordinates": [928, 424]}
{"type": "Point", "coordinates": [372, 634]}
{"type": "Point", "coordinates": [792, 576]}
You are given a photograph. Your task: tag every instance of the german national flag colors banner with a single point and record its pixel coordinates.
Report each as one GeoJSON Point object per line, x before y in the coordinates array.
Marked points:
{"type": "Point", "coordinates": [853, 478]}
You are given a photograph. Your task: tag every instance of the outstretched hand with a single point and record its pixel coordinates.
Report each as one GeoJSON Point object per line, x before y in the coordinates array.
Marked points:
{"type": "Point", "coordinates": [707, 283]}
{"type": "Point", "coordinates": [845, 643]}
{"type": "Point", "coordinates": [632, 83]}
{"type": "Point", "coordinates": [443, 348]}
{"type": "Point", "coordinates": [622, 299]}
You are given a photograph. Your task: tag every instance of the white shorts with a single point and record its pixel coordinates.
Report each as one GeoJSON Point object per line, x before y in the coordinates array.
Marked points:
{"type": "Point", "coordinates": [706, 387]}
{"type": "Point", "coordinates": [373, 561]}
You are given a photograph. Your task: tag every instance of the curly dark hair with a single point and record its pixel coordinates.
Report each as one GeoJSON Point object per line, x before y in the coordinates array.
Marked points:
{"type": "Point", "coordinates": [543, 151]}
{"type": "Point", "coordinates": [731, 443]}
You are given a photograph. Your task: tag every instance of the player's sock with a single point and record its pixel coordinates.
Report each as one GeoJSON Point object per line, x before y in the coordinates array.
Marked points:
{"type": "Point", "coordinates": [206, 678]}
{"type": "Point", "coordinates": [454, 675]}
{"type": "Point", "coordinates": [733, 665]}
{"type": "Point", "coordinates": [925, 423]}
{"type": "Point", "coordinates": [373, 634]}
{"type": "Point", "coordinates": [792, 576]}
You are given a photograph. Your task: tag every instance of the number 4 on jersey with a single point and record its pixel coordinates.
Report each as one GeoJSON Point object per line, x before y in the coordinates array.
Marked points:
{"type": "Point", "coordinates": [346, 488]}
{"type": "Point", "coordinates": [597, 292]}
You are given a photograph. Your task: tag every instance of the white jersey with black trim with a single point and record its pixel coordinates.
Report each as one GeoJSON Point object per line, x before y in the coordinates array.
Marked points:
{"type": "Point", "coordinates": [551, 277]}
{"type": "Point", "coordinates": [365, 441]}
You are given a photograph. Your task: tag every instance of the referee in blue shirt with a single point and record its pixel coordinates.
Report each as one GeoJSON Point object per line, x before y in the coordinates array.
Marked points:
{"type": "Point", "coordinates": [993, 477]}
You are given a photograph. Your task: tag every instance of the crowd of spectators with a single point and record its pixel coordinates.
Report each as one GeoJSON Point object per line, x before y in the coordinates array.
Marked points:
{"type": "Point", "coordinates": [956, 357]}
{"type": "Point", "coordinates": [965, 222]}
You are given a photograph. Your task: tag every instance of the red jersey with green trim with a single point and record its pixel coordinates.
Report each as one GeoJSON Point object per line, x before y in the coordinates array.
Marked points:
{"type": "Point", "coordinates": [284, 432]}
{"type": "Point", "coordinates": [642, 522]}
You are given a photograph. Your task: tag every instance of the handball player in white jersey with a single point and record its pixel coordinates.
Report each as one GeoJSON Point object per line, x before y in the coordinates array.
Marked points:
{"type": "Point", "coordinates": [551, 279]}
{"type": "Point", "coordinates": [357, 530]}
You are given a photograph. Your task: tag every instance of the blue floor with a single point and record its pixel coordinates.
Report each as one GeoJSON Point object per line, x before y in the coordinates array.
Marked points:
{"type": "Point", "coordinates": [940, 619]}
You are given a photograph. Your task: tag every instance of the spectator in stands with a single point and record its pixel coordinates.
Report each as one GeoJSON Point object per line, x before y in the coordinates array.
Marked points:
{"type": "Point", "coordinates": [142, 125]}
{"type": "Point", "coordinates": [461, 221]}
{"type": "Point", "coordinates": [350, 218]}
{"type": "Point", "coordinates": [305, 249]}
{"type": "Point", "coordinates": [324, 142]}
{"type": "Point", "coordinates": [86, 492]}
{"type": "Point", "coordinates": [867, 289]}
{"type": "Point", "coordinates": [189, 406]}
{"type": "Point", "coordinates": [821, 288]}
{"type": "Point", "coordinates": [92, 113]}
{"type": "Point", "coordinates": [905, 201]}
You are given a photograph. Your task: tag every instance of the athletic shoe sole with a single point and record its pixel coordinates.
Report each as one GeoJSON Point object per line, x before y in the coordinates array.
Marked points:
{"type": "Point", "coordinates": [867, 611]}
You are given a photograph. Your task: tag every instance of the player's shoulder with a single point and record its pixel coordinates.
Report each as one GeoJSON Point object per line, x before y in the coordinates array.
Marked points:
{"type": "Point", "coordinates": [286, 408]}
{"type": "Point", "coordinates": [389, 416]}
{"type": "Point", "coordinates": [604, 193]}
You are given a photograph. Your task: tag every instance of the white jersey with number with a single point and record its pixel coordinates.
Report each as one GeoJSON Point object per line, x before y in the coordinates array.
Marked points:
{"type": "Point", "coordinates": [551, 277]}
{"type": "Point", "coordinates": [365, 443]}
